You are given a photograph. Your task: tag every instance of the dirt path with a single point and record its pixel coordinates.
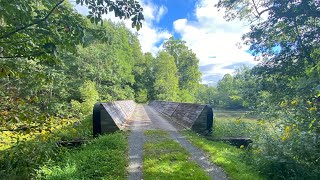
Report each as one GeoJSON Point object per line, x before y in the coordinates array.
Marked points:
{"type": "Point", "coordinates": [146, 118]}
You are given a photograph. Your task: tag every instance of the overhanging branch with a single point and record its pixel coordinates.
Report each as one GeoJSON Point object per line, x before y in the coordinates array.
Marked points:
{"type": "Point", "coordinates": [34, 23]}
{"type": "Point", "coordinates": [257, 11]}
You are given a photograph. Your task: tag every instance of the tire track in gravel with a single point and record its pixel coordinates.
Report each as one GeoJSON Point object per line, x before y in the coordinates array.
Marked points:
{"type": "Point", "coordinates": [138, 122]}
{"type": "Point", "coordinates": [146, 118]}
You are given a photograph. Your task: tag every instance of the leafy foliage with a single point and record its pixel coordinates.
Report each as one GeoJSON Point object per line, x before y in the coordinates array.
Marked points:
{"type": "Point", "coordinates": [274, 151]}
{"type": "Point", "coordinates": [188, 68]}
{"type": "Point", "coordinates": [122, 9]}
{"type": "Point", "coordinates": [144, 78]}
{"type": "Point", "coordinates": [19, 160]}
{"type": "Point", "coordinates": [38, 29]}
{"type": "Point", "coordinates": [101, 158]}
{"type": "Point", "coordinates": [42, 28]}
{"type": "Point", "coordinates": [283, 88]}
{"type": "Point", "coordinates": [89, 96]}
{"type": "Point", "coordinates": [42, 96]}
{"type": "Point", "coordinates": [206, 94]}
{"type": "Point", "coordinates": [166, 80]}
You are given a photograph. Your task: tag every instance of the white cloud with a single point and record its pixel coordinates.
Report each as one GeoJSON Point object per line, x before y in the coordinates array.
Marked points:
{"type": "Point", "coordinates": [208, 35]}
{"type": "Point", "coordinates": [149, 35]}
{"type": "Point", "coordinates": [211, 36]}
{"type": "Point", "coordinates": [161, 12]}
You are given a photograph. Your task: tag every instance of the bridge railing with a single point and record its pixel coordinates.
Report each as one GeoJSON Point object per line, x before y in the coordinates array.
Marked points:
{"type": "Point", "coordinates": [111, 116]}
{"type": "Point", "coordinates": [194, 116]}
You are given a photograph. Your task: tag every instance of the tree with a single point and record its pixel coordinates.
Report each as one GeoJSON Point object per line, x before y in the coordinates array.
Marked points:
{"type": "Point", "coordinates": [41, 100]}
{"type": "Point", "coordinates": [206, 95]}
{"type": "Point", "coordinates": [166, 85]}
{"type": "Point", "coordinates": [284, 36]}
{"type": "Point", "coordinates": [111, 64]}
{"type": "Point", "coordinates": [228, 94]}
{"type": "Point", "coordinates": [36, 92]}
{"type": "Point", "coordinates": [287, 42]}
{"type": "Point", "coordinates": [188, 68]}
{"type": "Point", "coordinates": [287, 38]}
{"type": "Point", "coordinates": [32, 29]}
{"type": "Point", "coordinates": [248, 86]}
{"type": "Point", "coordinates": [144, 78]}
{"type": "Point", "coordinates": [38, 29]}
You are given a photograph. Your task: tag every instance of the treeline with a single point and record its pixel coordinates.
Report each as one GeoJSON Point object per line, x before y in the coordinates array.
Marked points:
{"type": "Point", "coordinates": [60, 67]}
{"type": "Point", "coordinates": [238, 91]}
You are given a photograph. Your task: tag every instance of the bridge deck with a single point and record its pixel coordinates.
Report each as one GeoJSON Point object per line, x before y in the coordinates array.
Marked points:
{"type": "Point", "coordinates": [146, 118]}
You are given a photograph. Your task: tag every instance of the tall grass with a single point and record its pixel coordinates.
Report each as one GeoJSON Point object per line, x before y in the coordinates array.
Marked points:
{"type": "Point", "coordinates": [20, 159]}
{"type": "Point", "coordinates": [102, 158]}
{"type": "Point", "coordinates": [41, 158]}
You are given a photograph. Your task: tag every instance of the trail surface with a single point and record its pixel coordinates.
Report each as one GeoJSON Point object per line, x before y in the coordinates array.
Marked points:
{"type": "Point", "coordinates": [146, 118]}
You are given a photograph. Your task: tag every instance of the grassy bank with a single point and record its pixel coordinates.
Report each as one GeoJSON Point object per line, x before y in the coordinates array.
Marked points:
{"type": "Point", "coordinates": [234, 123]}
{"type": "Point", "coordinates": [39, 157]}
{"type": "Point", "coordinates": [164, 158]}
{"type": "Point", "coordinates": [275, 153]}
{"type": "Point", "coordinates": [230, 158]}
{"type": "Point", "coordinates": [102, 158]}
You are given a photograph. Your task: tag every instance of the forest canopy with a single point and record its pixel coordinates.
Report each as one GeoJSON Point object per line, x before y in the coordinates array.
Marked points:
{"type": "Point", "coordinates": [56, 63]}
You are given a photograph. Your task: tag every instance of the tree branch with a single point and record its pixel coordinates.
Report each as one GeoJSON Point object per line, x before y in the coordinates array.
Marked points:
{"type": "Point", "coordinates": [257, 11]}
{"type": "Point", "coordinates": [265, 10]}
{"type": "Point", "coordinates": [34, 23]}
{"type": "Point", "coordinates": [256, 8]}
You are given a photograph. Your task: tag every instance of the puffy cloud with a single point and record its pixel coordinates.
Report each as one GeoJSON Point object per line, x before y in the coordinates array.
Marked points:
{"type": "Point", "coordinates": [214, 40]}
{"type": "Point", "coordinates": [150, 36]}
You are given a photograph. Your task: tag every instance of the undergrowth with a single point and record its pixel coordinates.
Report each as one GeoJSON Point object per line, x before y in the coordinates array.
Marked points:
{"type": "Point", "coordinates": [39, 156]}
{"type": "Point", "coordinates": [276, 152]}
{"type": "Point", "coordinates": [102, 158]}
{"type": "Point", "coordinates": [20, 159]}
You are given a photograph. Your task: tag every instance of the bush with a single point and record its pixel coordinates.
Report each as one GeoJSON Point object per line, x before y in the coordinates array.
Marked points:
{"type": "Point", "coordinates": [89, 96]}
{"type": "Point", "coordinates": [21, 159]}
{"type": "Point", "coordinates": [279, 150]}
{"type": "Point", "coordinates": [102, 158]}
{"type": "Point", "coordinates": [142, 96]}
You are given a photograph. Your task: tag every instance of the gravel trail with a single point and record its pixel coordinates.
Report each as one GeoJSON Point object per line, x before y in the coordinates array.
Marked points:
{"type": "Point", "coordinates": [146, 118]}
{"type": "Point", "coordinates": [138, 122]}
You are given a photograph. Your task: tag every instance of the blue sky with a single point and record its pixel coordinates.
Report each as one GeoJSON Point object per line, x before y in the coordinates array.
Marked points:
{"type": "Point", "coordinates": [199, 23]}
